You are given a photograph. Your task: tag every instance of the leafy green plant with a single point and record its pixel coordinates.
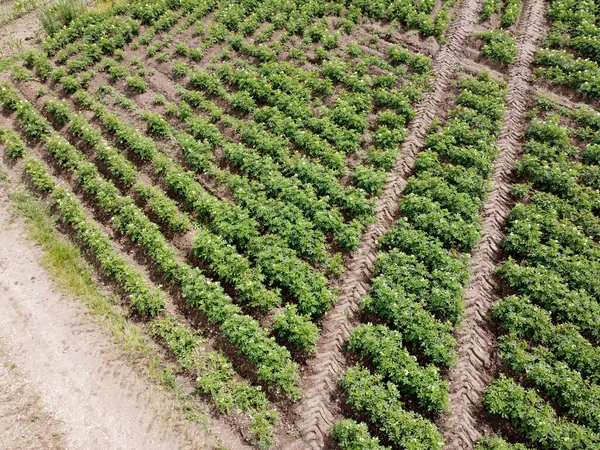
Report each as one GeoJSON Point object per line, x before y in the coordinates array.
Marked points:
{"type": "Point", "coordinates": [500, 46]}
{"type": "Point", "coordinates": [137, 84]}
{"type": "Point", "coordinates": [489, 8]}
{"type": "Point", "coordinates": [369, 179]}
{"type": "Point", "coordinates": [379, 401]}
{"type": "Point", "coordinates": [510, 15]}
{"type": "Point", "coordinates": [535, 418]}
{"type": "Point", "coordinates": [216, 378]}
{"type": "Point", "coordinates": [295, 329]}
{"type": "Point", "coordinates": [496, 443]}
{"type": "Point", "coordinates": [385, 350]}
{"type": "Point", "coordinates": [351, 435]}
{"type": "Point", "coordinates": [15, 147]}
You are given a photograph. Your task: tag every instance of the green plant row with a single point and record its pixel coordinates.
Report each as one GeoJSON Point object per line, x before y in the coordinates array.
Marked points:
{"type": "Point", "coordinates": [245, 333]}
{"type": "Point", "coordinates": [279, 217]}
{"type": "Point", "coordinates": [222, 259]}
{"type": "Point", "coordinates": [274, 215]}
{"type": "Point", "coordinates": [560, 383]}
{"type": "Point", "coordinates": [468, 139]}
{"type": "Point", "coordinates": [409, 15]}
{"type": "Point", "coordinates": [548, 218]}
{"type": "Point", "coordinates": [324, 216]}
{"type": "Point", "coordinates": [186, 16]}
{"type": "Point", "coordinates": [342, 123]}
{"type": "Point", "coordinates": [384, 349]}
{"type": "Point", "coordinates": [277, 73]}
{"type": "Point", "coordinates": [15, 147]}
{"type": "Point", "coordinates": [553, 320]}
{"type": "Point", "coordinates": [103, 39]}
{"type": "Point", "coordinates": [489, 8]}
{"type": "Point", "coordinates": [535, 418]}
{"type": "Point", "coordinates": [561, 178]}
{"type": "Point", "coordinates": [352, 200]}
{"type": "Point", "coordinates": [295, 276]}
{"type": "Point", "coordinates": [522, 319]}
{"type": "Point", "coordinates": [270, 214]}
{"type": "Point", "coordinates": [556, 259]}
{"type": "Point", "coordinates": [379, 401]}
{"type": "Point", "coordinates": [510, 15]}
{"type": "Point", "coordinates": [408, 313]}
{"type": "Point", "coordinates": [144, 300]}
{"type": "Point", "coordinates": [231, 267]}
{"type": "Point", "coordinates": [294, 111]}
{"type": "Point", "coordinates": [103, 28]}
{"type": "Point", "coordinates": [338, 123]}
{"type": "Point", "coordinates": [163, 208]}
{"type": "Point", "coordinates": [214, 376]}
{"type": "Point", "coordinates": [549, 165]}
{"type": "Point", "coordinates": [547, 289]}
{"type": "Point", "coordinates": [324, 180]}
{"type": "Point", "coordinates": [310, 172]}
{"type": "Point", "coordinates": [573, 25]}
{"type": "Point", "coordinates": [542, 239]}
{"type": "Point", "coordinates": [563, 210]}
{"type": "Point", "coordinates": [416, 277]}
{"type": "Point", "coordinates": [419, 280]}
{"type": "Point", "coordinates": [563, 68]}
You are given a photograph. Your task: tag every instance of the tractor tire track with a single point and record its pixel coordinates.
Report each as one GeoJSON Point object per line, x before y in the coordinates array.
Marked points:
{"type": "Point", "coordinates": [476, 364]}
{"type": "Point", "coordinates": [316, 411]}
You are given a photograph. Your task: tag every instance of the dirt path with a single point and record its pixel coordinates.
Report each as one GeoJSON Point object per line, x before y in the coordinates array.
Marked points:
{"type": "Point", "coordinates": [24, 422]}
{"type": "Point", "coordinates": [477, 365]}
{"type": "Point", "coordinates": [91, 397]}
{"type": "Point", "coordinates": [19, 34]}
{"type": "Point", "coordinates": [317, 408]}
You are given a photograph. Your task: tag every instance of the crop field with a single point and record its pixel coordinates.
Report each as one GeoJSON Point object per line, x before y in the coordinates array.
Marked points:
{"type": "Point", "coordinates": [339, 224]}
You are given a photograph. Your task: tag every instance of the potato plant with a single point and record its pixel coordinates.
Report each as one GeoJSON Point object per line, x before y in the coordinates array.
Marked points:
{"type": "Point", "coordinates": [499, 45]}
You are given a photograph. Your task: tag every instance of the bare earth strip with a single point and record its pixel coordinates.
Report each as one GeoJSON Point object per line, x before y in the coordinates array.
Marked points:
{"type": "Point", "coordinates": [91, 396]}
{"type": "Point", "coordinates": [24, 422]}
{"type": "Point", "coordinates": [316, 409]}
{"type": "Point", "coordinates": [476, 365]}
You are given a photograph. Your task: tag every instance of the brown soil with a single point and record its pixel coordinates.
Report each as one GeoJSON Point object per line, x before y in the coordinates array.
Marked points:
{"type": "Point", "coordinates": [20, 34]}
{"type": "Point", "coordinates": [477, 362]}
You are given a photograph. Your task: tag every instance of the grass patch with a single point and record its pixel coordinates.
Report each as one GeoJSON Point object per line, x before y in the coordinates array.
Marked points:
{"type": "Point", "coordinates": [59, 14]}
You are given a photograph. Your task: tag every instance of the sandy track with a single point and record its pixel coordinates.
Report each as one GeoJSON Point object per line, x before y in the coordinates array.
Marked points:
{"type": "Point", "coordinates": [92, 398]}
{"type": "Point", "coordinates": [316, 410]}
{"type": "Point", "coordinates": [18, 35]}
{"type": "Point", "coordinates": [476, 364]}
{"type": "Point", "coordinates": [24, 422]}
